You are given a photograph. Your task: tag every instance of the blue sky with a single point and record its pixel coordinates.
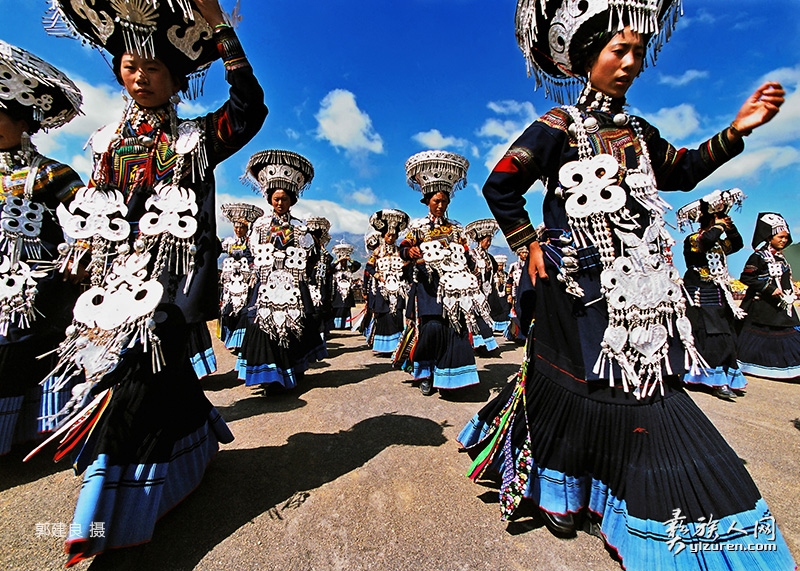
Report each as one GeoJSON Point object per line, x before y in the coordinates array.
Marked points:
{"type": "Point", "coordinates": [359, 86]}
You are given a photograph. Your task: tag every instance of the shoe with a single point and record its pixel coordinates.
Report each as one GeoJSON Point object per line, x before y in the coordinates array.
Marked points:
{"type": "Point", "coordinates": [426, 387]}
{"type": "Point", "coordinates": [725, 393]}
{"type": "Point", "coordinates": [560, 525]}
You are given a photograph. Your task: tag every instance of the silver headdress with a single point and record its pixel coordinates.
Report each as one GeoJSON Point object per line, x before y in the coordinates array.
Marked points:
{"type": "Point", "coordinates": [389, 221]}
{"type": "Point", "coordinates": [32, 83]}
{"type": "Point", "coordinates": [768, 224]}
{"type": "Point", "coordinates": [437, 171]}
{"type": "Point", "coordinates": [522, 249]}
{"type": "Point", "coordinates": [501, 259]}
{"type": "Point", "coordinates": [174, 31]}
{"type": "Point", "coordinates": [272, 170]}
{"type": "Point", "coordinates": [342, 251]}
{"type": "Point", "coordinates": [718, 201]}
{"type": "Point", "coordinates": [553, 33]}
{"type": "Point", "coordinates": [480, 229]}
{"type": "Point", "coordinates": [242, 212]}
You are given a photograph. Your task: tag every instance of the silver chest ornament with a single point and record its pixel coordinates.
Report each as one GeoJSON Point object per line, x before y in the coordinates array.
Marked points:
{"type": "Point", "coordinates": [235, 279]}
{"type": "Point", "coordinates": [776, 269]}
{"type": "Point", "coordinates": [279, 307]}
{"type": "Point", "coordinates": [93, 221]}
{"type": "Point", "coordinates": [344, 282]}
{"type": "Point", "coordinates": [718, 273]}
{"type": "Point", "coordinates": [110, 318]}
{"type": "Point", "coordinates": [642, 289]}
{"type": "Point", "coordinates": [459, 291]}
{"type": "Point", "coordinates": [20, 226]}
{"type": "Point", "coordinates": [17, 294]}
{"type": "Point", "coordinates": [389, 280]}
{"type": "Point", "coordinates": [171, 224]}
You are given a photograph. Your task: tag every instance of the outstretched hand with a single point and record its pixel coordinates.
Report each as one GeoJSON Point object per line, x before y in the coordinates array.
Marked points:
{"type": "Point", "coordinates": [760, 107]}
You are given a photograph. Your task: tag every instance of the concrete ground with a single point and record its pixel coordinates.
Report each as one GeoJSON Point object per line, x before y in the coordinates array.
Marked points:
{"type": "Point", "coordinates": [356, 470]}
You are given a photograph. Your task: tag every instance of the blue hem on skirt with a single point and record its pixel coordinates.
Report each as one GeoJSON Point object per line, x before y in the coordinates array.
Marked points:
{"type": "Point", "coordinates": [266, 373]}
{"type": "Point", "coordinates": [235, 338]}
{"type": "Point", "coordinates": [455, 378]}
{"type": "Point", "coordinates": [478, 341]}
{"type": "Point", "coordinates": [204, 363]}
{"type": "Point", "coordinates": [718, 377]}
{"type": "Point", "coordinates": [386, 343]}
{"type": "Point", "coordinates": [783, 373]}
{"type": "Point", "coordinates": [118, 506]}
{"type": "Point", "coordinates": [501, 326]}
{"type": "Point", "coordinates": [732, 542]}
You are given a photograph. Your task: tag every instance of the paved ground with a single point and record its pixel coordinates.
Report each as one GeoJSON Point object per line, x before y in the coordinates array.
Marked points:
{"type": "Point", "coordinates": [357, 470]}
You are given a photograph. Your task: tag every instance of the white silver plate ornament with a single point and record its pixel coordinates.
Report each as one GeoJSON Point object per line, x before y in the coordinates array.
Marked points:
{"type": "Point", "coordinates": [95, 212]}
{"type": "Point", "coordinates": [101, 140]}
{"type": "Point", "coordinates": [189, 135]}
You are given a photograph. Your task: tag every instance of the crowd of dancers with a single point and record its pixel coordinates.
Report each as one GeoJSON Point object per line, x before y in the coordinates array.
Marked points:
{"type": "Point", "coordinates": [107, 288]}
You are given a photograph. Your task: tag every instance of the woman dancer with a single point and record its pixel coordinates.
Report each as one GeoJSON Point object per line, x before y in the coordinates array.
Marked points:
{"type": "Point", "coordinates": [320, 283]}
{"type": "Point", "coordinates": [769, 342]}
{"type": "Point", "coordinates": [387, 288]}
{"type": "Point", "coordinates": [148, 219]}
{"type": "Point", "coordinates": [711, 307]}
{"type": "Point", "coordinates": [35, 302]}
{"type": "Point", "coordinates": [598, 424]}
{"type": "Point", "coordinates": [445, 301]}
{"type": "Point", "coordinates": [517, 332]}
{"type": "Point", "coordinates": [485, 268]}
{"type": "Point", "coordinates": [343, 299]}
{"type": "Point", "coordinates": [282, 335]}
{"type": "Point", "coordinates": [237, 273]}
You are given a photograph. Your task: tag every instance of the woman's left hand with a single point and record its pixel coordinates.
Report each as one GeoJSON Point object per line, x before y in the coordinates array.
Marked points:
{"type": "Point", "coordinates": [760, 107]}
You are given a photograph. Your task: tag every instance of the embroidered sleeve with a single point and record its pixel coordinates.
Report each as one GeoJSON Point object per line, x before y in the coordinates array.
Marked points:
{"type": "Point", "coordinates": [755, 275]}
{"type": "Point", "coordinates": [682, 169]}
{"type": "Point", "coordinates": [60, 177]}
{"type": "Point", "coordinates": [239, 119]}
{"type": "Point", "coordinates": [533, 156]}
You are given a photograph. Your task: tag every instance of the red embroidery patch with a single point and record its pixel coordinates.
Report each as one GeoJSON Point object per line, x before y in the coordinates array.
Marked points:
{"type": "Point", "coordinates": [506, 164]}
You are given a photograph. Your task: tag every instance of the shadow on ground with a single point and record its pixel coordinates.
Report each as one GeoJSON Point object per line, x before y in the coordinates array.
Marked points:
{"type": "Point", "coordinates": [322, 377]}
{"type": "Point", "coordinates": [15, 472]}
{"type": "Point", "coordinates": [240, 485]}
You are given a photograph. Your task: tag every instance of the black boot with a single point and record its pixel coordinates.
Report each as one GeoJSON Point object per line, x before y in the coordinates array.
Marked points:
{"type": "Point", "coordinates": [559, 525]}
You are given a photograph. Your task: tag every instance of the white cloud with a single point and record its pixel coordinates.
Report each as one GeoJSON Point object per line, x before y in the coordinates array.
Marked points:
{"type": "Point", "coordinates": [292, 134]}
{"type": "Point", "coordinates": [102, 104]}
{"type": "Point", "coordinates": [686, 77]}
{"type": "Point", "coordinates": [783, 128]}
{"type": "Point", "coordinates": [342, 219]}
{"type": "Point", "coordinates": [500, 133]}
{"type": "Point", "coordinates": [363, 196]}
{"type": "Point", "coordinates": [344, 125]}
{"type": "Point", "coordinates": [434, 139]}
{"type": "Point", "coordinates": [511, 107]}
{"type": "Point", "coordinates": [675, 123]}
